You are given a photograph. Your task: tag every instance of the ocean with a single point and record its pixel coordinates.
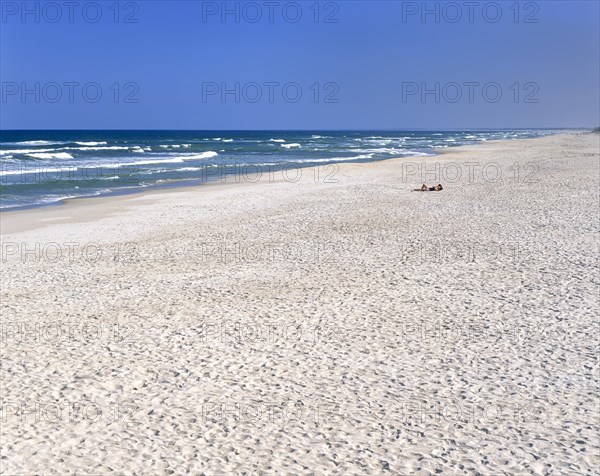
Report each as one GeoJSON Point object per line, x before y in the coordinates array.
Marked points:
{"type": "Point", "coordinates": [45, 167]}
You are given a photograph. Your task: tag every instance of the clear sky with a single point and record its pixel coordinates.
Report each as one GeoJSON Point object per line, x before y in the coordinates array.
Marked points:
{"type": "Point", "coordinates": [299, 65]}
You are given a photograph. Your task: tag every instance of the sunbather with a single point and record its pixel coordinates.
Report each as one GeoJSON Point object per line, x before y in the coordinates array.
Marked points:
{"type": "Point", "coordinates": [425, 188]}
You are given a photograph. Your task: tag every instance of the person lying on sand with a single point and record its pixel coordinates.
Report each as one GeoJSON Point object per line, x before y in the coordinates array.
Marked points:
{"type": "Point", "coordinates": [425, 188]}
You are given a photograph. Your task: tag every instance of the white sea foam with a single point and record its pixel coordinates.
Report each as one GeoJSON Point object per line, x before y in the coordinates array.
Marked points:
{"type": "Point", "coordinates": [23, 151]}
{"type": "Point", "coordinates": [227, 140]}
{"type": "Point", "coordinates": [415, 153]}
{"type": "Point", "coordinates": [174, 146]}
{"type": "Point", "coordinates": [112, 147]}
{"type": "Point", "coordinates": [391, 151]}
{"type": "Point", "coordinates": [188, 169]}
{"type": "Point", "coordinates": [276, 140]}
{"type": "Point", "coordinates": [174, 160]}
{"type": "Point", "coordinates": [55, 155]}
{"type": "Point", "coordinates": [52, 199]}
{"type": "Point", "coordinates": [232, 168]}
{"type": "Point", "coordinates": [289, 146]}
{"type": "Point", "coordinates": [35, 142]}
{"type": "Point", "coordinates": [203, 155]}
{"type": "Point", "coordinates": [380, 141]}
{"type": "Point", "coordinates": [91, 143]}
{"type": "Point", "coordinates": [363, 156]}
{"type": "Point", "coordinates": [57, 151]}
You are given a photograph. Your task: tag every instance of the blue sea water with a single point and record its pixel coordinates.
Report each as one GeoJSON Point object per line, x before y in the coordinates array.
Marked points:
{"type": "Point", "coordinates": [45, 167]}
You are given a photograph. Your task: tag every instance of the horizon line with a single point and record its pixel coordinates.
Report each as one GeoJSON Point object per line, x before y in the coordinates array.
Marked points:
{"type": "Point", "coordinates": [312, 130]}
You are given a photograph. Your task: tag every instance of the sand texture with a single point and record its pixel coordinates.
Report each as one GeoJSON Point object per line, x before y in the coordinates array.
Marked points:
{"type": "Point", "coordinates": [338, 325]}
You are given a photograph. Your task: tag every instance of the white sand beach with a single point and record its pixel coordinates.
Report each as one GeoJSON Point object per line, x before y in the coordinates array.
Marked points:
{"type": "Point", "coordinates": [341, 324]}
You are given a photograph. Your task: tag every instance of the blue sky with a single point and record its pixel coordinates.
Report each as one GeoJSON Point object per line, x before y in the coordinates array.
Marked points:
{"type": "Point", "coordinates": [364, 68]}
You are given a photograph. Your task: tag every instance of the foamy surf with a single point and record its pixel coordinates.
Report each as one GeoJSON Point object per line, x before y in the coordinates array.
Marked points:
{"type": "Point", "coordinates": [47, 156]}
{"type": "Point", "coordinates": [32, 167]}
{"type": "Point", "coordinates": [22, 151]}
{"type": "Point", "coordinates": [173, 160]}
{"type": "Point", "coordinates": [34, 142]}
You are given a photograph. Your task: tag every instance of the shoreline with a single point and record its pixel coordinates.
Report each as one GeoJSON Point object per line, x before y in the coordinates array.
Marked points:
{"type": "Point", "coordinates": [196, 182]}
{"type": "Point", "coordinates": [19, 214]}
